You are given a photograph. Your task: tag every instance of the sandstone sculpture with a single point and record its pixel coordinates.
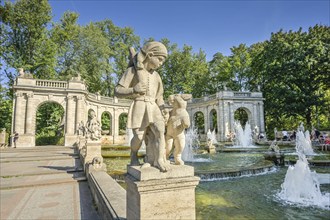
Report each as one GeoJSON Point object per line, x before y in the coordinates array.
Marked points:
{"type": "Point", "coordinates": [93, 128]}
{"type": "Point", "coordinates": [178, 121]}
{"type": "Point", "coordinates": [142, 83]}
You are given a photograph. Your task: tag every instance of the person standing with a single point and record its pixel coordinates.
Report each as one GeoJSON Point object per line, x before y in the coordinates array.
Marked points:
{"type": "Point", "coordinates": [15, 138]}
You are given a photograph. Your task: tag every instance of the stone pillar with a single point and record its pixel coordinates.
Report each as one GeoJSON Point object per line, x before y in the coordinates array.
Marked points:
{"type": "Point", "coordinates": [29, 115]}
{"type": "Point", "coordinates": [222, 121]}
{"type": "Point", "coordinates": [19, 113]}
{"type": "Point", "coordinates": [152, 194]}
{"type": "Point", "coordinates": [99, 114]}
{"type": "Point", "coordinates": [79, 111]}
{"type": "Point", "coordinates": [255, 116]}
{"type": "Point", "coordinates": [70, 137]}
{"type": "Point", "coordinates": [92, 150]}
{"type": "Point", "coordinates": [206, 120]}
{"type": "Point", "coordinates": [115, 125]}
{"type": "Point", "coordinates": [70, 123]}
{"type": "Point", "coordinates": [29, 137]}
{"type": "Point", "coordinates": [262, 118]}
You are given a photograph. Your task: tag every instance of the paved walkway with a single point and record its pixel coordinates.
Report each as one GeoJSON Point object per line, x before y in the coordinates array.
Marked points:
{"type": "Point", "coordinates": [45, 182]}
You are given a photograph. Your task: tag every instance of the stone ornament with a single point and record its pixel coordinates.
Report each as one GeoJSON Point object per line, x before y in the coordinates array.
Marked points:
{"type": "Point", "coordinates": [143, 84]}
{"type": "Point", "coordinates": [178, 121]}
{"type": "Point", "coordinates": [23, 74]}
{"type": "Point", "coordinates": [98, 164]}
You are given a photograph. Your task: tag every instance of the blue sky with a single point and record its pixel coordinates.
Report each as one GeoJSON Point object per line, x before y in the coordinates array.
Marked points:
{"type": "Point", "coordinates": [213, 26]}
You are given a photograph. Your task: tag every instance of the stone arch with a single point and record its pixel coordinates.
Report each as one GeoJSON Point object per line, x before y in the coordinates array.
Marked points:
{"type": "Point", "coordinates": [199, 122]}
{"type": "Point", "coordinates": [213, 119]}
{"type": "Point", "coordinates": [243, 115]}
{"type": "Point", "coordinates": [122, 122]}
{"type": "Point", "coordinates": [49, 127]}
{"type": "Point", "coordinates": [106, 123]}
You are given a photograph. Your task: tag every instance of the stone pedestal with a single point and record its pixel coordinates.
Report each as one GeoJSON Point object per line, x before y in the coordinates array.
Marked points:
{"type": "Point", "coordinates": [25, 140]}
{"type": "Point", "coordinates": [152, 194]}
{"type": "Point", "coordinates": [93, 150]}
{"type": "Point", "coordinates": [70, 140]}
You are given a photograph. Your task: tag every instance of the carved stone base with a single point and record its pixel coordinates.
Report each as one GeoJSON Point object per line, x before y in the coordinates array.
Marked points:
{"type": "Point", "coordinates": [152, 194]}
{"type": "Point", "coordinates": [93, 150]}
{"type": "Point", "coordinates": [70, 140]}
{"type": "Point", "coordinates": [25, 140]}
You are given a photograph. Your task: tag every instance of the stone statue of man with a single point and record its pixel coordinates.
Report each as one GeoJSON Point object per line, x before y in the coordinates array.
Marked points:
{"type": "Point", "coordinates": [143, 84]}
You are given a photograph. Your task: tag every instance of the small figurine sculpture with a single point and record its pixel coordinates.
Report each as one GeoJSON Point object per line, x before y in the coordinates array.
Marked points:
{"type": "Point", "coordinates": [178, 121]}
{"type": "Point", "coordinates": [146, 114]}
{"type": "Point", "coordinates": [21, 72]}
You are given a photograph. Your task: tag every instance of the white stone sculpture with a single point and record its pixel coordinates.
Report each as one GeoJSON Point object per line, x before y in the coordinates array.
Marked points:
{"type": "Point", "coordinates": [93, 128]}
{"type": "Point", "coordinates": [21, 72]}
{"type": "Point", "coordinates": [142, 83]}
{"type": "Point", "coordinates": [178, 121]}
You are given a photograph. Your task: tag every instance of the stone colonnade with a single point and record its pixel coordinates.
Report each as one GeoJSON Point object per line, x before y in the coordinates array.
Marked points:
{"type": "Point", "coordinates": [76, 101]}
{"type": "Point", "coordinates": [31, 93]}
{"type": "Point", "coordinates": [225, 103]}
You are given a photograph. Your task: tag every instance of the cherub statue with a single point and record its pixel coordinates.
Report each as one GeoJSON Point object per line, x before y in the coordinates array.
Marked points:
{"type": "Point", "coordinates": [178, 121]}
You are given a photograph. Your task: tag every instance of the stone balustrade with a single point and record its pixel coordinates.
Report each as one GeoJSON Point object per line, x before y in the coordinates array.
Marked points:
{"type": "Point", "coordinates": [242, 94]}
{"type": "Point", "coordinates": [51, 84]}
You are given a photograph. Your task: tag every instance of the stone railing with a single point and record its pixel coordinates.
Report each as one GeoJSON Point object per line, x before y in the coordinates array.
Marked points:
{"type": "Point", "coordinates": [92, 96]}
{"type": "Point", "coordinates": [110, 100]}
{"type": "Point", "coordinates": [107, 99]}
{"type": "Point", "coordinates": [204, 99]}
{"type": "Point", "coordinates": [242, 94]}
{"type": "Point", "coordinates": [51, 84]}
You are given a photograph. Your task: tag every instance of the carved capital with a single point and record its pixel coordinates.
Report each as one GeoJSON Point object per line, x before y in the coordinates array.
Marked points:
{"type": "Point", "coordinates": [29, 95]}
{"type": "Point", "coordinates": [80, 97]}
{"type": "Point", "coordinates": [69, 97]}
{"type": "Point", "coordinates": [18, 94]}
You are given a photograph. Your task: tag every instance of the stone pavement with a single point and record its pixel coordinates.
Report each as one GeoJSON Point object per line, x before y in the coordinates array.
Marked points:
{"type": "Point", "coordinates": [45, 182]}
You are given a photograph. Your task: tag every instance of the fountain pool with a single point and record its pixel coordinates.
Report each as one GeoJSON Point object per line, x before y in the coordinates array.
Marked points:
{"type": "Point", "coordinates": [245, 197]}
{"type": "Point", "coordinates": [252, 197]}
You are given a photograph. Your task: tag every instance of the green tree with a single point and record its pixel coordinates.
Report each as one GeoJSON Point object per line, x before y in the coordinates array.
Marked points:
{"type": "Point", "coordinates": [93, 56]}
{"type": "Point", "coordinates": [49, 124]}
{"type": "Point", "coordinates": [240, 62]}
{"type": "Point", "coordinates": [119, 41]}
{"type": "Point", "coordinates": [65, 35]}
{"type": "Point", "coordinates": [184, 71]}
{"type": "Point", "coordinates": [25, 42]}
{"type": "Point", "coordinates": [220, 72]}
{"type": "Point", "coordinates": [6, 105]}
{"type": "Point", "coordinates": [294, 68]}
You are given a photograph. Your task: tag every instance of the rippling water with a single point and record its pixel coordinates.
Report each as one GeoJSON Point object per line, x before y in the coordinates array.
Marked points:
{"type": "Point", "coordinates": [252, 198]}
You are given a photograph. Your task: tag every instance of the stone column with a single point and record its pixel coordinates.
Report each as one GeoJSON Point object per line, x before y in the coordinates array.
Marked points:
{"type": "Point", "coordinates": [99, 114]}
{"type": "Point", "coordinates": [115, 125]}
{"type": "Point", "coordinates": [229, 115]}
{"type": "Point", "coordinates": [19, 113]}
{"type": "Point", "coordinates": [29, 115]}
{"type": "Point", "coordinates": [206, 120]}
{"type": "Point", "coordinates": [262, 118]}
{"type": "Point", "coordinates": [221, 122]}
{"type": "Point", "coordinates": [256, 115]}
{"type": "Point", "coordinates": [70, 122]}
{"type": "Point", "coordinates": [79, 110]}
{"type": "Point", "coordinates": [152, 194]}
{"type": "Point", "coordinates": [70, 137]}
